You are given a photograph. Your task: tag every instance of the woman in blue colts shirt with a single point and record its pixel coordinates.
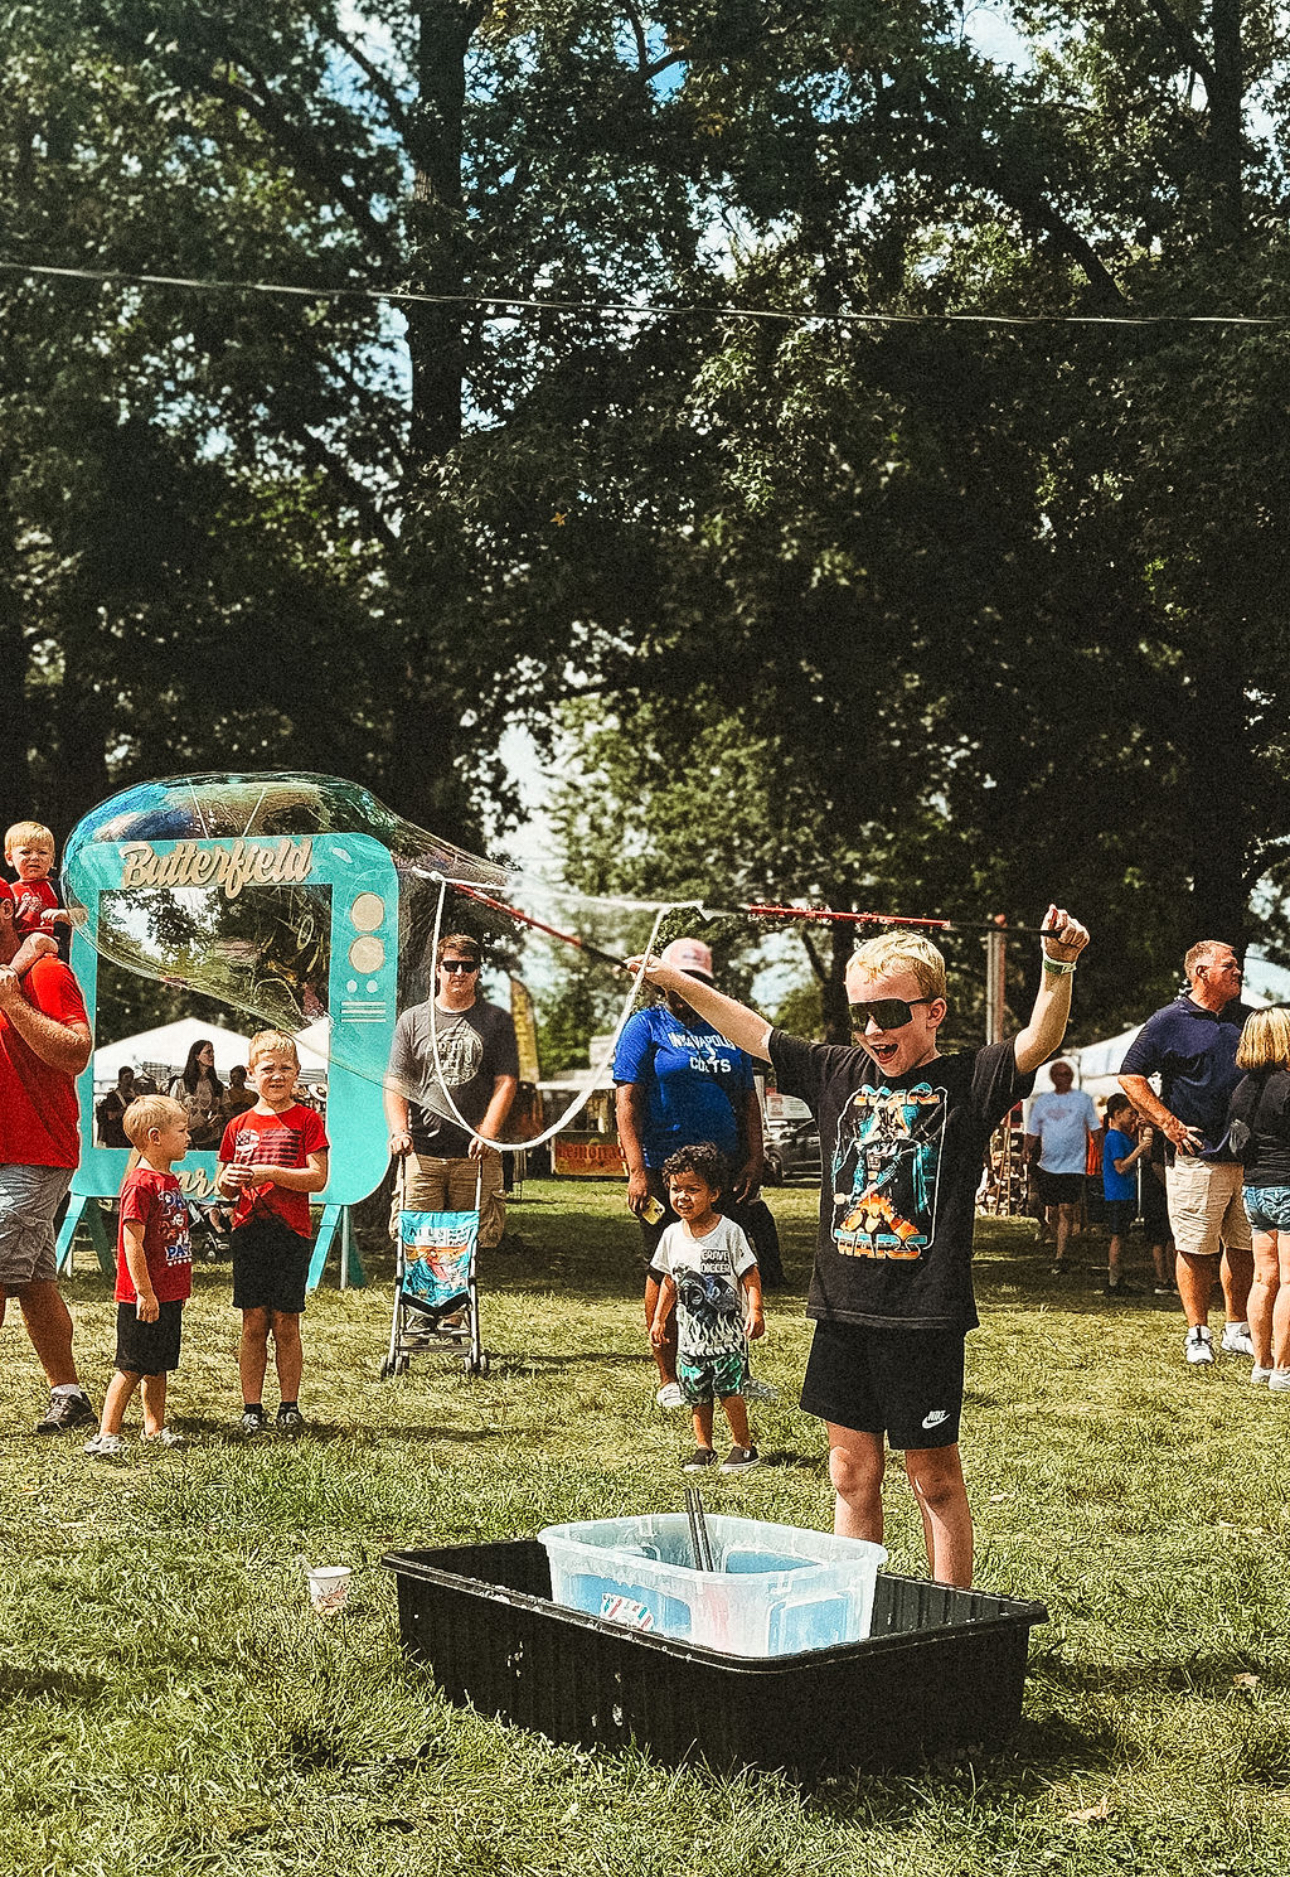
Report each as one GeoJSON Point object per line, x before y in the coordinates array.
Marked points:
{"type": "Point", "coordinates": [680, 1082]}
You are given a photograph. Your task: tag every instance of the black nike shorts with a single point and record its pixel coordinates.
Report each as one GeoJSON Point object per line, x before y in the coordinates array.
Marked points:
{"type": "Point", "coordinates": [906, 1384]}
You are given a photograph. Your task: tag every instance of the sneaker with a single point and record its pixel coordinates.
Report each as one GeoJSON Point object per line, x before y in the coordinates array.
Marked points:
{"type": "Point", "coordinates": [701, 1457]}
{"type": "Point", "coordinates": [1279, 1381]}
{"type": "Point", "coordinates": [1120, 1290]}
{"type": "Point", "coordinates": [759, 1391]}
{"type": "Point", "coordinates": [1059, 1270]}
{"type": "Point", "coordinates": [1258, 1375]}
{"type": "Point", "coordinates": [670, 1396]}
{"type": "Point", "coordinates": [740, 1459]}
{"type": "Point", "coordinates": [289, 1421]}
{"type": "Point", "coordinates": [1162, 1290]}
{"type": "Point", "coordinates": [105, 1447]}
{"type": "Point", "coordinates": [66, 1412]}
{"type": "Point", "coordinates": [1199, 1346]}
{"type": "Point", "coordinates": [252, 1421]}
{"type": "Point", "coordinates": [164, 1437]}
{"type": "Point", "coordinates": [1237, 1340]}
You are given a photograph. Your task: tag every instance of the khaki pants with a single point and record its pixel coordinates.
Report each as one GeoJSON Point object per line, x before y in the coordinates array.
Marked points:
{"type": "Point", "coordinates": [431, 1185]}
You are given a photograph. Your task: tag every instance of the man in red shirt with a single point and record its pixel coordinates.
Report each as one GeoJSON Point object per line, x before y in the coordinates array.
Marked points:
{"type": "Point", "coordinates": [45, 1043]}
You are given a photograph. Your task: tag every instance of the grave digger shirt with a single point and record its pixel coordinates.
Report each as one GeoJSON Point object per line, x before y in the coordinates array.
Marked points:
{"type": "Point", "coordinates": [902, 1162]}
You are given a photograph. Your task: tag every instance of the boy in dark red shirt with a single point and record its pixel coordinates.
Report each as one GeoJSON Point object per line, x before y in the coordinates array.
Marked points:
{"type": "Point", "coordinates": [154, 1274]}
{"type": "Point", "coordinates": [270, 1160]}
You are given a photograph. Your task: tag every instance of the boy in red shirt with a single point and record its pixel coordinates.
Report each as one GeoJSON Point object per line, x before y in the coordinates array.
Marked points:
{"type": "Point", "coordinates": [29, 852]}
{"type": "Point", "coordinates": [270, 1160]}
{"type": "Point", "coordinates": [154, 1274]}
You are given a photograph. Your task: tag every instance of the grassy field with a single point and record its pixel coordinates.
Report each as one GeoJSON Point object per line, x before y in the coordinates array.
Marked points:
{"type": "Point", "coordinates": [171, 1704]}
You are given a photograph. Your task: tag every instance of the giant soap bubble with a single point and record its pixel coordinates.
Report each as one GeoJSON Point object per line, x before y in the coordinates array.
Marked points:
{"type": "Point", "coordinates": [304, 903]}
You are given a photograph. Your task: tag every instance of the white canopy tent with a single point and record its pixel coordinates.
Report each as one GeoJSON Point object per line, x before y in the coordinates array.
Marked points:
{"type": "Point", "coordinates": [171, 1042]}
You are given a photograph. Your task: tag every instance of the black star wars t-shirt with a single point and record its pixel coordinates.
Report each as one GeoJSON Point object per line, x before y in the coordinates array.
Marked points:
{"type": "Point", "coordinates": [901, 1166]}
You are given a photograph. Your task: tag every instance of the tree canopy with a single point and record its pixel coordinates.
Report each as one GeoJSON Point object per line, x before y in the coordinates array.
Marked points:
{"type": "Point", "coordinates": [999, 610]}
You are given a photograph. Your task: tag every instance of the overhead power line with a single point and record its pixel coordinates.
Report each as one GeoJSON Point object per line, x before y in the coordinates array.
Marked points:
{"type": "Point", "coordinates": [520, 303]}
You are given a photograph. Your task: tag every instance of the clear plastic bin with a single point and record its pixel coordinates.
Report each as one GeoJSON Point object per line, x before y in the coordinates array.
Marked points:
{"type": "Point", "coordinates": [776, 1589]}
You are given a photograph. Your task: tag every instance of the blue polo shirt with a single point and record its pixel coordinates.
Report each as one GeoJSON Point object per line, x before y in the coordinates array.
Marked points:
{"type": "Point", "coordinates": [696, 1083]}
{"type": "Point", "coordinates": [1193, 1051]}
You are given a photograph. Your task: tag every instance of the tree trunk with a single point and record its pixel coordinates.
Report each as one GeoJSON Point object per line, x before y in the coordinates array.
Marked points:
{"type": "Point", "coordinates": [438, 227]}
{"type": "Point", "coordinates": [1218, 765]}
{"type": "Point", "coordinates": [837, 1011]}
{"type": "Point", "coordinates": [1225, 141]}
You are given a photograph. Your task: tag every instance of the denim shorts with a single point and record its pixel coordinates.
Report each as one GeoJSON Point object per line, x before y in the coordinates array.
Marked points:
{"type": "Point", "coordinates": [1268, 1208]}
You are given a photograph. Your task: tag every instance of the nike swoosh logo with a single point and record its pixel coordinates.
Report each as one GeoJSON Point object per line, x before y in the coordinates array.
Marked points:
{"type": "Point", "coordinates": [936, 1416]}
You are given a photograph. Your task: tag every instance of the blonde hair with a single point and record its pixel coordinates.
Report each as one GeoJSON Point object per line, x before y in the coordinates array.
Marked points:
{"type": "Point", "coordinates": [150, 1111]}
{"type": "Point", "coordinates": [30, 833]}
{"type": "Point", "coordinates": [892, 952]}
{"type": "Point", "coordinates": [1265, 1040]}
{"type": "Point", "coordinates": [265, 1040]}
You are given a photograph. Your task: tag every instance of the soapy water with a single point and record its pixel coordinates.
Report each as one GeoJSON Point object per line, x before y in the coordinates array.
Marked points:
{"type": "Point", "coordinates": [271, 893]}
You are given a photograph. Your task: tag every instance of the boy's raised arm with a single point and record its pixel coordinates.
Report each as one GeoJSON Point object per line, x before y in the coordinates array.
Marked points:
{"type": "Point", "coordinates": [739, 1025]}
{"type": "Point", "coordinates": [1063, 941]}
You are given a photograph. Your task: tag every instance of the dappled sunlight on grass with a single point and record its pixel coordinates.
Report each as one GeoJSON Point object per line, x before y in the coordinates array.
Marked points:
{"type": "Point", "coordinates": [170, 1701]}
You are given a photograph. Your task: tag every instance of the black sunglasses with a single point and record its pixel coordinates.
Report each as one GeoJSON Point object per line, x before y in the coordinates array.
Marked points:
{"type": "Point", "coordinates": [457, 964]}
{"type": "Point", "coordinates": [889, 1013]}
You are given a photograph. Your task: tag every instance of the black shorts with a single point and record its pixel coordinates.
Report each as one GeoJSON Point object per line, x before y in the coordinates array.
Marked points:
{"type": "Point", "coordinates": [270, 1267]}
{"type": "Point", "coordinates": [906, 1384]}
{"type": "Point", "coordinates": [1119, 1216]}
{"type": "Point", "coordinates": [148, 1348]}
{"type": "Point", "coordinates": [1059, 1189]}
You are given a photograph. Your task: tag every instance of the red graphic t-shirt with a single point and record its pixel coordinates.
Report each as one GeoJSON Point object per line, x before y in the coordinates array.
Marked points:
{"type": "Point", "coordinates": [156, 1202]}
{"type": "Point", "coordinates": [33, 903]}
{"type": "Point", "coordinates": [273, 1140]}
{"type": "Point", "coordinates": [37, 1103]}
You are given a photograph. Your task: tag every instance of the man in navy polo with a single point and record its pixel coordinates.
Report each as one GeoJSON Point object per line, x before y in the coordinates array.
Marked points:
{"type": "Point", "coordinates": [1191, 1045]}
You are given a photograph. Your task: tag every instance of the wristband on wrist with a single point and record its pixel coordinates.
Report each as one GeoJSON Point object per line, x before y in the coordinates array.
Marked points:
{"type": "Point", "coordinates": [1059, 967]}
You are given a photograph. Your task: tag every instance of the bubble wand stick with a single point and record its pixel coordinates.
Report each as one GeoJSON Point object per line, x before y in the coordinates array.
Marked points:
{"type": "Point", "coordinates": [513, 912]}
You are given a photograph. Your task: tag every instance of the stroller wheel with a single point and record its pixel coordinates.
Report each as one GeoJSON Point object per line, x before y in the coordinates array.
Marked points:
{"type": "Point", "coordinates": [386, 1369]}
{"type": "Point", "coordinates": [402, 1363]}
{"type": "Point", "coordinates": [475, 1365]}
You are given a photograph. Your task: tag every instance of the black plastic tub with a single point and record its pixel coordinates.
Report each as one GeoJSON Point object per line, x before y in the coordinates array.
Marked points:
{"type": "Point", "coordinates": [943, 1670]}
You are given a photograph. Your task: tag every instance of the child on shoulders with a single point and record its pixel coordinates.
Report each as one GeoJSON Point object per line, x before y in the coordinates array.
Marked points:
{"type": "Point", "coordinates": [270, 1159]}
{"type": "Point", "coordinates": [154, 1275]}
{"type": "Point", "coordinates": [707, 1272]}
{"type": "Point", "coordinates": [29, 852]}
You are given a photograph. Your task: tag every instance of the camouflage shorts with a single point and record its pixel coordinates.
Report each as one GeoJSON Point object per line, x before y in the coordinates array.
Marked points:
{"type": "Point", "coordinates": [708, 1378]}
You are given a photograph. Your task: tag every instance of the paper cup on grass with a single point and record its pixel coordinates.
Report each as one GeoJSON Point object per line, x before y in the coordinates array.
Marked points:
{"type": "Point", "coordinates": [328, 1587]}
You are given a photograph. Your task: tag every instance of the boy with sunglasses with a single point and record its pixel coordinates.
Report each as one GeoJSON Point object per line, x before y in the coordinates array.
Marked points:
{"type": "Point", "coordinates": [903, 1130]}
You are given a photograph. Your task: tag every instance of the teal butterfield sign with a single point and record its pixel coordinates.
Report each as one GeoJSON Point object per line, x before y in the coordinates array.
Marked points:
{"type": "Point", "coordinates": [297, 931]}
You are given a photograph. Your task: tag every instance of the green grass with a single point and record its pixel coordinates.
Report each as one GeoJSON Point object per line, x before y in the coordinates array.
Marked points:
{"type": "Point", "coordinates": [169, 1703]}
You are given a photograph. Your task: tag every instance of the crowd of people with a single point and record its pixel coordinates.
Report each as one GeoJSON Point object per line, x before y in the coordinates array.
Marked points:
{"type": "Point", "coordinates": [903, 1130]}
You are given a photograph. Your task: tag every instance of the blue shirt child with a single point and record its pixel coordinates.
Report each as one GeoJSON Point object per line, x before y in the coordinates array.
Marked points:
{"type": "Point", "coordinates": [1118, 1186]}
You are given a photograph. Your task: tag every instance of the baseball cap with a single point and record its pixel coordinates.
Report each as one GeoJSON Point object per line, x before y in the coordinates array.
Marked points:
{"type": "Point", "coordinates": [689, 955]}
{"type": "Point", "coordinates": [6, 892]}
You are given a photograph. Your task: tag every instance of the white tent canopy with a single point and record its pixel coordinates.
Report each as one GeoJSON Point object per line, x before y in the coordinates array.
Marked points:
{"type": "Point", "coordinates": [171, 1042]}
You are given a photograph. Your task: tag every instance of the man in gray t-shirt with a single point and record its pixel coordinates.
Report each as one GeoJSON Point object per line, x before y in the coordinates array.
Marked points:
{"type": "Point", "coordinates": [459, 1060]}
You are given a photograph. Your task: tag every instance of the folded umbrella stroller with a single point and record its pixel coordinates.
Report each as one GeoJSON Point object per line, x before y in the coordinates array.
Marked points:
{"type": "Point", "coordinates": [436, 1295]}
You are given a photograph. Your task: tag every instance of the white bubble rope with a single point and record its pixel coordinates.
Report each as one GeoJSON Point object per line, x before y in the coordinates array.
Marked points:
{"type": "Point", "coordinates": [597, 1069]}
